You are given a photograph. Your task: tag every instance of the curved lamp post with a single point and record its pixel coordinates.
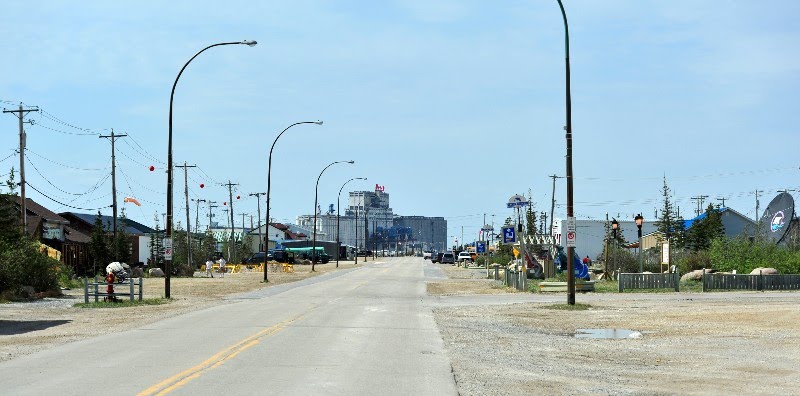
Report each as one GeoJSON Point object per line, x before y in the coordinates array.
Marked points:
{"type": "Point", "coordinates": [269, 183]}
{"type": "Point", "coordinates": [316, 194]}
{"type": "Point", "coordinates": [168, 235]}
{"type": "Point", "coordinates": [339, 241]}
{"type": "Point", "coordinates": [570, 211]}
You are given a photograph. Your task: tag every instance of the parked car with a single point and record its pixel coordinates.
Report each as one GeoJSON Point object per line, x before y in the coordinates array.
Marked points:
{"type": "Point", "coordinates": [427, 255]}
{"type": "Point", "coordinates": [258, 258]}
{"type": "Point", "coordinates": [365, 253]}
{"type": "Point", "coordinates": [448, 258]}
{"type": "Point", "coordinates": [436, 257]}
{"type": "Point", "coordinates": [464, 256]}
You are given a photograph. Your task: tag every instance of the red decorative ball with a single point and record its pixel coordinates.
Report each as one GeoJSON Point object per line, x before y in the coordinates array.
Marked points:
{"type": "Point", "coordinates": [225, 203]}
{"type": "Point", "coordinates": [237, 197]}
{"type": "Point", "coordinates": [202, 185]}
{"type": "Point", "coordinates": [152, 168]}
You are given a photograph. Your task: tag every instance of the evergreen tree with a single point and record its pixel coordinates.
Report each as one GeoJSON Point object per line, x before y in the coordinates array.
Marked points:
{"type": "Point", "coordinates": [122, 243]}
{"type": "Point", "coordinates": [705, 230]}
{"type": "Point", "coordinates": [99, 245]}
{"type": "Point", "coordinates": [530, 219]}
{"type": "Point", "coordinates": [670, 223]}
{"type": "Point", "coordinates": [156, 249]}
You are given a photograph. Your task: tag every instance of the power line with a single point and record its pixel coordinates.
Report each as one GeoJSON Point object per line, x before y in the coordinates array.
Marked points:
{"type": "Point", "coordinates": [54, 186]}
{"type": "Point", "coordinates": [61, 203]}
{"type": "Point", "coordinates": [66, 166]}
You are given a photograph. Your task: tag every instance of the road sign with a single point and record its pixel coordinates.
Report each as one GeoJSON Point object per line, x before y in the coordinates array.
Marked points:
{"type": "Point", "coordinates": [480, 247]}
{"type": "Point", "coordinates": [167, 248]}
{"type": "Point", "coordinates": [571, 224]}
{"type": "Point", "coordinates": [509, 234]}
{"type": "Point", "coordinates": [570, 239]}
{"type": "Point", "coordinates": [517, 201]}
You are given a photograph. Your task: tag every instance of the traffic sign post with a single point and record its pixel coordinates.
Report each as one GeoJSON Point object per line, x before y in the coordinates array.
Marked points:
{"type": "Point", "coordinates": [480, 247]}
{"type": "Point", "coordinates": [167, 248]}
{"type": "Point", "coordinates": [509, 234]}
{"type": "Point", "coordinates": [571, 234]}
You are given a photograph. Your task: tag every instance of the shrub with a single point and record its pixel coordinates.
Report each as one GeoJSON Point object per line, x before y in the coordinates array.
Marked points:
{"type": "Point", "coordinates": [23, 264]}
{"type": "Point", "coordinates": [690, 261]}
{"type": "Point", "coordinates": [742, 255]}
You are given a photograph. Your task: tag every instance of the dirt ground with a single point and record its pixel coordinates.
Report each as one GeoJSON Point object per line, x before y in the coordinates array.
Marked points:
{"type": "Point", "coordinates": [685, 343]}
{"type": "Point", "coordinates": [50, 322]}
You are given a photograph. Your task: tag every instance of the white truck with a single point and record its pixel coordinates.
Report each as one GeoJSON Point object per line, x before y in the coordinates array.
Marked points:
{"type": "Point", "coordinates": [464, 256]}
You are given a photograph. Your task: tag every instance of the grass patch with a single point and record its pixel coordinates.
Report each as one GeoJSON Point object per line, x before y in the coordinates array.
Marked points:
{"type": "Point", "coordinates": [567, 307]}
{"type": "Point", "coordinates": [123, 303]}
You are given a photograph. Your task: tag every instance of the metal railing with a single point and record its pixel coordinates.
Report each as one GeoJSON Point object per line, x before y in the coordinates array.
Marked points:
{"type": "Point", "coordinates": [98, 289]}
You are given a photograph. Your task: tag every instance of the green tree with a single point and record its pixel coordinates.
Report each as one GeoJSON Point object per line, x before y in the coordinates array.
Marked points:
{"type": "Point", "coordinates": [208, 246]}
{"type": "Point", "coordinates": [99, 245]}
{"type": "Point", "coordinates": [705, 230]}
{"type": "Point", "coordinates": [156, 248]}
{"type": "Point", "coordinates": [122, 243]}
{"type": "Point", "coordinates": [530, 220]}
{"type": "Point", "coordinates": [670, 223]}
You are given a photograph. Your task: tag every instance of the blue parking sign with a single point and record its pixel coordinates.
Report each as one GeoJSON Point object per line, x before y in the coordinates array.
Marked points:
{"type": "Point", "coordinates": [509, 234]}
{"type": "Point", "coordinates": [480, 247]}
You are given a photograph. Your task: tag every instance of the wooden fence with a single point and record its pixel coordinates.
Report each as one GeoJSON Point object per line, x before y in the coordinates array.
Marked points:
{"type": "Point", "coordinates": [648, 281]}
{"type": "Point", "coordinates": [750, 282]}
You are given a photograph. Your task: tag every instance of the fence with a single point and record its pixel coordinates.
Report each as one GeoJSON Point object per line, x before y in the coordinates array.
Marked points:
{"type": "Point", "coordinates": [98, 289]}
{"type": "Point", "coordinates": [758, 282]}
{"type": "Point", "coordinates": [649, 281]}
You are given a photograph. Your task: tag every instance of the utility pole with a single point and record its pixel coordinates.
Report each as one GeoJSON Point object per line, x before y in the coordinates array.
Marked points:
{"type": "Point", "coordinates": [700, 200]}
{"type": "Point", "coordinates": [230, 197]}
{"type": "Point", "coordinates": [757, 192]}
{"type": "Point", "coordinates": [188, 226]}
{"type": "Point", "coordinates": [113, 137]}
{"type": "Point", "coordinates": [261, 248]}
{"type": "Point", "coordinates": [723, 201]}
{"type": "Point", "coordinates": [553, 202]}
{"type": "Point", "coordinates": [243, 230]}
{"type": "Point", "coordinates": [228, 219]}
{"type": "Point", "coordinates": [22, 137]}
{"type": "Point", "coordinates": [197, 214]}
{"type": "Point", "coordinates": [211, 206]}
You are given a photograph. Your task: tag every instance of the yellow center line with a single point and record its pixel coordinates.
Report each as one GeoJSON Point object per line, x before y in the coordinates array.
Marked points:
{"type": "Point", "coordinates": [178, 380]}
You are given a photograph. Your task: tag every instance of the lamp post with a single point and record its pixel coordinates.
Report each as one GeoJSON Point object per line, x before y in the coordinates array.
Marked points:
{"type": "Point", "coordinates": [639, 220]}
{"type": "Point", "coordinates": [339, 241]}
{"type": "Point", "coordinates": [614, 228]}
{"type": "Point", "coordinates": [316, 195]}
{"type": "Point", "coordinates": [168, 221]}
{"type": "Point", "coordinates": [269, 183]}
{"type": "Point", "coordinates": [570, 211]}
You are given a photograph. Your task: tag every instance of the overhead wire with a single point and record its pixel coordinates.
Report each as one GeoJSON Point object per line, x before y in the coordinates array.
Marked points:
{"type": "Point", "coordinates": [54, 186]}
{"type": "Point", "coordinates": [61, 203]}
{"type": "Point", "coordinates": [64, 165]}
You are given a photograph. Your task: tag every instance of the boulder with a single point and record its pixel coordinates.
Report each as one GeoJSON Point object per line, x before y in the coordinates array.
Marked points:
{"type": "Point", "coordinates": [764, 271]}
{"type": "Point", "coordinates": [156, 272]}
{"type": "Point", "coordinates": [695, 275]}
{"type": "Point", "coordinates": [137, 272]}
{"type": "Point", "coordinates": [27, 292]}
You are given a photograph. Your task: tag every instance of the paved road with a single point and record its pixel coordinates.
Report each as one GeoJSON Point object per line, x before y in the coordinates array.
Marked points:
{"type": "Point", "coordinates": [365, 331]}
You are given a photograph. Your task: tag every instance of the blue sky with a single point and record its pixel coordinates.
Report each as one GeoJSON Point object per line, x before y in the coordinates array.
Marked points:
{"type": "Point", "coordinates": [453, 106]}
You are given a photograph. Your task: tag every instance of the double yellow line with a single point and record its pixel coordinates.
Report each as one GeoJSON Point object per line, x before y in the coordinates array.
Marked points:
{"type": "Point", "coordinates": [178, 380]}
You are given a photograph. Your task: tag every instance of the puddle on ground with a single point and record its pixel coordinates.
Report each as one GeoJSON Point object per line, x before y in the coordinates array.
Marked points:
{"type": "Point", "coordinates": [607, 333]}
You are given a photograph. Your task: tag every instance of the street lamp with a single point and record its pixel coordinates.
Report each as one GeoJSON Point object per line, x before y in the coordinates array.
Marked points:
{"type": "Point", "coordinates": [614, 228]}
{"type": "Point", "coordinates": [316, 194]}
{"type": "Point", "coordinates": [570, 210]}
{"type": "Point", "coordinates": [168, 234]}
{"type": "Point", "coordinates": [269, 183]}
{"type": "Point", "coordinates": [639, 220]}
{"type": "Point", "coordinates": [339, 241]}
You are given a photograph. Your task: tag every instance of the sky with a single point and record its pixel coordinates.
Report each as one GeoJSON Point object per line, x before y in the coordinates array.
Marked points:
{"type": "Point", "coordinates": [452, 106]}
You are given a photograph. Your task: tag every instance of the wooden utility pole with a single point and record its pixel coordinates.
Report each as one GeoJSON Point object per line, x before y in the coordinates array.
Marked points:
{"type": "Point", "coordinates": [188, 225]}
{"type": "Point", "coordinates": [231, 244]}
{"type": "Point", "coordinates": [264, 247]}
{"type": "Point", "coordinates": [113, 138]}
{"type": "Point", "coordinates": [553, 202]}
{"type": "Point", "coordinates": [22, 137]}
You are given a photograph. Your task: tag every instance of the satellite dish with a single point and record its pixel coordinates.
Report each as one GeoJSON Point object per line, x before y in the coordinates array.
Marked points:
{"type": "Point", "coordinates": [777, 218]}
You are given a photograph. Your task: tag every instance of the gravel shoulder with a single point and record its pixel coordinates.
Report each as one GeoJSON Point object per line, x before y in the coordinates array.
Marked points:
{"type": "Point", "coordinates": [691, 343]}
{"type": "Point", "coordinates": [28, 327]}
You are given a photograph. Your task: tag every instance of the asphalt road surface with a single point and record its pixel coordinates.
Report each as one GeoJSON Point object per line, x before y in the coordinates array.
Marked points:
{"type": "Point", "coordinates": [361, 331]}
